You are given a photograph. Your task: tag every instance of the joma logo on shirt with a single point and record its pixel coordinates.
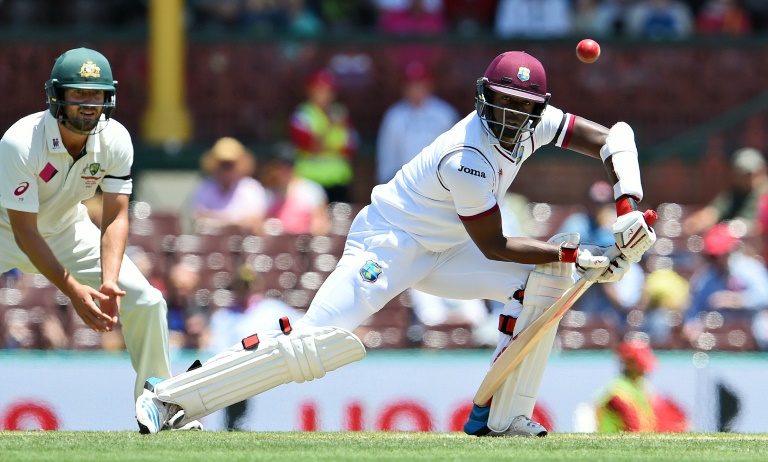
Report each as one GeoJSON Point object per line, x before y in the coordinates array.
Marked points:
{"type": "Point", "coordinates": [472, 171]}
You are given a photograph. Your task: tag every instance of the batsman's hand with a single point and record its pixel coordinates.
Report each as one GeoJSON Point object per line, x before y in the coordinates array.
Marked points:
{"type": "Point", "coordinates": [601, 263]}
{"type": "Point", "coordinates": [634, 235]}
{"type": "Point", "coordinates": [84, 299]}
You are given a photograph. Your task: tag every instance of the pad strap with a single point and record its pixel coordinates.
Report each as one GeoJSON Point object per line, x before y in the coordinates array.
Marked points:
{"type": "Point", "coordinates": [507, 324]}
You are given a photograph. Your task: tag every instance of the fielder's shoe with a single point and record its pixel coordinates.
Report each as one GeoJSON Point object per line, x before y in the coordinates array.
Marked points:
{"type": "Point", "coordinates": [477, 425]}
{"type": "Point", "coordinates": [151, 413]}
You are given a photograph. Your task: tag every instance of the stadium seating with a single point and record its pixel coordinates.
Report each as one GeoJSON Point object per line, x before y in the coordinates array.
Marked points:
{"type": "Point", "coordinates": [293, 268]}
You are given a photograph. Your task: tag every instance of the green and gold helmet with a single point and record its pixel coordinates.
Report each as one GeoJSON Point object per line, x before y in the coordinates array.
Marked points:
{"type": "Point", "coordinates": [84, 69]}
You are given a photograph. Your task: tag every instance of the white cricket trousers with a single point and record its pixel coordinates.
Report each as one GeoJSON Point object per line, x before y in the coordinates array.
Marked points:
{"type": "Point", "coordinates": [143, 312]}
{"type": "Point", "coordinates": [347, 298]}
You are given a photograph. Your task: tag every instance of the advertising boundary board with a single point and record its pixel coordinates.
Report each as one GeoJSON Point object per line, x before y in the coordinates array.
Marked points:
{"type": "Point", "coordinates": [397, 390]}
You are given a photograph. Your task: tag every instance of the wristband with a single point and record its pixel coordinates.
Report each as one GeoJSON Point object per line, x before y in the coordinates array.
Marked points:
{"type": "Point", "coordinates": [625, 204]}
{"type": "Point", "coordinates": [567, 252]}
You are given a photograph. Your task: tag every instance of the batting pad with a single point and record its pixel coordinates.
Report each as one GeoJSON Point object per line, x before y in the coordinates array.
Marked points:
{"type": "Point", "coordinates": [518, 394]}
{"type": "Point", "coordinates": [306, 354]}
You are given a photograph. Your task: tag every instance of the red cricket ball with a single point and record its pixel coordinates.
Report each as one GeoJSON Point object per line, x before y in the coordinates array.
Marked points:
{"type": "Point", "coordinates": [588, 51]}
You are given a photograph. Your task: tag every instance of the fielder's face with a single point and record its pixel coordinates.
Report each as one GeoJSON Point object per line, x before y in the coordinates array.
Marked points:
{"type": "Point", "coordinates": [83, 108]}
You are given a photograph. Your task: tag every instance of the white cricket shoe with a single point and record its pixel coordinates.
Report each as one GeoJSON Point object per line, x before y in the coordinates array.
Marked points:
{"type": "Point", "coordinates": [523, 426]}
{"type": "Point", "coordinates": [151, 413]}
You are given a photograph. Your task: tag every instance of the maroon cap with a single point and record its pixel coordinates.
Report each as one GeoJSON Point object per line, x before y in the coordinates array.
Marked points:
{"type": "Point", "coordinates": [519, 74]}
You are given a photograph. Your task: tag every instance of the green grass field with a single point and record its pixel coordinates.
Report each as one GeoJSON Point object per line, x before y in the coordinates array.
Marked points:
{"type": "Point", "coordinates": [241, 446]}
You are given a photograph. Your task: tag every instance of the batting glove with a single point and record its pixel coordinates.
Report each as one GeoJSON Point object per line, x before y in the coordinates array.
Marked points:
{"type": "Point", "coordinates": [633, 234]}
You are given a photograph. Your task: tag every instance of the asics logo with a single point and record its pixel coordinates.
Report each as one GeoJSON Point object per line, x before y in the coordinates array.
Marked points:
{"type": "Point", "coordinates": [472, 171]}
{"type": "Point", "coordinates": [23, 186]}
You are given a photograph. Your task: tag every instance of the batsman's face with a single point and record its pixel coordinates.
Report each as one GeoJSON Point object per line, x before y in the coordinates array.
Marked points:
{"type": "Point", "coordinates": [84, 108]}
{"type": "Point", "coordinates": [519, 108]}
{"type": "Point", "coordinates": [512, 112]}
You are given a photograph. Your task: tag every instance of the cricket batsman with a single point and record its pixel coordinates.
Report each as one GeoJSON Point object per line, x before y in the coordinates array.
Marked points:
{"type": "Point", "coordinates": [436, 227]}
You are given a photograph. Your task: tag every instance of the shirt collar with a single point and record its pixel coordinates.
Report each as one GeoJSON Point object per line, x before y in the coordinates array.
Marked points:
{"type": "Point", "coordinates": [53, 137]}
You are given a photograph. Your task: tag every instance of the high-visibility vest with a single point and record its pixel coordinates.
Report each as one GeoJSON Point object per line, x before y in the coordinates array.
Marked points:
{"type": "Point", "coordinates": [634, 394]}
{"type": "Point", "coordinates": [329, 167]}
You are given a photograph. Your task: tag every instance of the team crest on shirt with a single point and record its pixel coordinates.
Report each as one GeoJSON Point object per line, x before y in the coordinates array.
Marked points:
{"type": "Point", "coordinates": [519, 156]}
{"type": "Point", "coordinates": [92, 169]}
{"type": "Point", "coordinates": [89, 69]}
{"type": "Point", "coordinates": [370, 271]}
{"type": "Point", "coordinates": [523, 73]}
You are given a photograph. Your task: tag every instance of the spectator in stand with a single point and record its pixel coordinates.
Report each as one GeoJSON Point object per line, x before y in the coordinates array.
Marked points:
{"type": "Point", "coordinates": [630, 404]}
{"type": "Point", "coordinates": [599, 18]}
{"type": "Point", "coordinates": [321, 130]}
{"type": "Point", "coordinates": [263, 15]}
{"type": "Point", "coordinates": [533, 18]}
{"type": "Point", "coordinates": [660, 19]}
{"type": "Point", "coordinates": [612, 17]}
{"type": "Point", "coordinates": [303, 19]}
{"type": "Point", "coordinates": [730, 282]}
{"type": "Point", "coordinates": [412, 123]}
{"type": "Point", "coordinates": [723, 17]}
{"type": "Point", "coordinates": [217, 13]}
{"type": "Point", "coordinates": [758, 12]}
{"type": "Point", "coordinates": [749, 181]}
{"type": "Point", "coordinates": [250, 312]}
{"type": "Point", "coordinates": [663, 301]}
{"type": "Point", "coordinates": [300, 205]}
{"type": "Point", "coordinates": [346, 16]}
{"type": "Point", "coordinates": [470, 17]}
{"type": "Point", "coordinates": [411, 17]}
{"type": "Point", "coordinates": [229, 196]}
{"type": "Point", "coordinates": [281, 16]}
{"type": "Point", "coordinates": [183, 283]}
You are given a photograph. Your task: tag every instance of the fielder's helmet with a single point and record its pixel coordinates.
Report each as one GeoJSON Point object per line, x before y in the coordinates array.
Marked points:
{"type": "Point", "coordinates": [518, 74]}
{"type": "Point", "coordinates": [83, 69]}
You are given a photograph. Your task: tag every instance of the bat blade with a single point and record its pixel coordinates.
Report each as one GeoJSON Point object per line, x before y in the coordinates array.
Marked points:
{"type": "Point", "coordinates": [524, 342]}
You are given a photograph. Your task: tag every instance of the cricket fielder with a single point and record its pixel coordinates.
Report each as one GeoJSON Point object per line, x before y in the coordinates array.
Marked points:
{"type": "Point", "coordinates": [436, 227]}
{"type": "Point", "coordinates": [49, 163]}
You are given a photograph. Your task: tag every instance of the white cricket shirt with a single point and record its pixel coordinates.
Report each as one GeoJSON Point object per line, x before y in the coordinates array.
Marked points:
{"type": "Point", "coordinates": [462, 175]}
{"type": "Point", "coordinates": [38, 175]}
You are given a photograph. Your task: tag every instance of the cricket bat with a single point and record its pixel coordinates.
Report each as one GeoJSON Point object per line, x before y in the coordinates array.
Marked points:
{"type": "Point", "coordinates": [523, 343]}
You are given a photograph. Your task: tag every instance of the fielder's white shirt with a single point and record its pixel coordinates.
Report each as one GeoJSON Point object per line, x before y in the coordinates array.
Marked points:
{"type": "Point", "coordinates": [38, 175]}
{"type": "Point", "coordinates": [462, 175]}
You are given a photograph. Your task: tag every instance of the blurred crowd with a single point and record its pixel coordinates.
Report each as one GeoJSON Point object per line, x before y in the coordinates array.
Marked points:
{"type": "Point", "coordinates": [258, 235]}
{"type": "Point", "coordinates": [657, 19]}
{"type": "Point", "coordinates": [260, 239]}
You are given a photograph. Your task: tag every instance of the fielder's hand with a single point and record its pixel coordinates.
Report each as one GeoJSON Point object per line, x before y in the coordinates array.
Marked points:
{"type": "Point", "coordinates": [633, 234]}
